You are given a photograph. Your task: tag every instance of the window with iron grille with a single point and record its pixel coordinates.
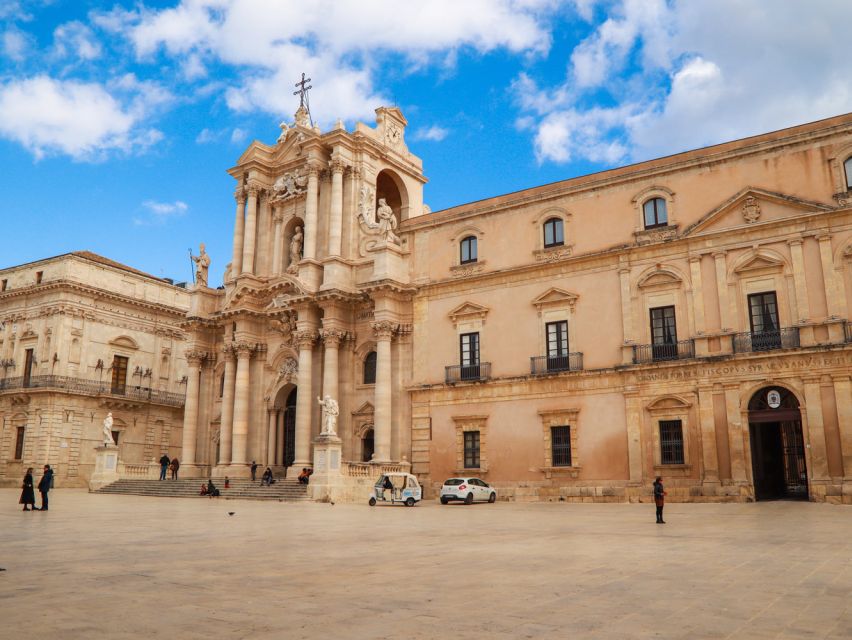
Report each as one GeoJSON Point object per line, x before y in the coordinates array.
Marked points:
{"type": "Point", "coordinates": [554, 233]}
{"type": "Point", "coordinates": [560, 445]}
{"type": "Point", "coordinates": [467, 250]}
{"type": "Point", "coordinates": [370, 368]}
{"type": "Point", "coordinates": [19, 443]}
{"type": "Point", "coordinates": [471, 449]}
{"type": "Point", "coordinates": [671, 442]}
{"type": "Point", "coordinates": [655, 213]}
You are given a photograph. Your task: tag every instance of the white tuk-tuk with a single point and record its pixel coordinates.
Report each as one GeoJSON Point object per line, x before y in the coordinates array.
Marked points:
{"type": "Point", "coordinates": [396, 488]}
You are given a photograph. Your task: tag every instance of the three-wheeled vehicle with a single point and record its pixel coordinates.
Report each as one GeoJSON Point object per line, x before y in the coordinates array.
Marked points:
{"type": "Point", "coordinates": [396, 488]}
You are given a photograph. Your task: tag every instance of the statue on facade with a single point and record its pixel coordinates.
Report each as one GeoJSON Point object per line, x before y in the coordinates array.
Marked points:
{"type": "Point", "coordinates": [330, 411]}
{"type": "Point", "coordinates": [202, 264]}
{"type": "Point", "coordinates": [295, 250]}
{"type": "Point", "coordinates": [387, 222]}
{"type": "Point", "coordinates": [108, 430]}
{"type": "Point", "coordinates": [366, 209]}
{"type": "Point", "coordinates": [289, 185]}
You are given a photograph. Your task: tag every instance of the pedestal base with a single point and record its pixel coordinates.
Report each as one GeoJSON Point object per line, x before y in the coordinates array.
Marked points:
{"type": "Point", "coordinates": [106, 466]}
{"type": "Point", "coordinates": [326, 480]}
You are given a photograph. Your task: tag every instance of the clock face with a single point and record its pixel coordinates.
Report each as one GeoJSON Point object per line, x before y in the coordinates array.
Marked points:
{"type": "Point", "coordinates": [393, 134]}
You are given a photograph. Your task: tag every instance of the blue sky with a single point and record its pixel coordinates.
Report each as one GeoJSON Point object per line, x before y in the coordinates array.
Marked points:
{"type": "Point", "coordinates": [118, 119]}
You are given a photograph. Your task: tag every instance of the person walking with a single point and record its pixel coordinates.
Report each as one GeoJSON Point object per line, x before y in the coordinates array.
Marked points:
{"type": "Point", "coordinates": [175, 465]}
{"type": "Point", "coordinates": [254, 467]}
{"type": "Point", "coordinates": [164, 466]}
{"type": "Point", "coordinates": [659, 498]}
{"type": "Point", "coordinates": [27, 492]}
{"type": "Point", "coordinates": [45, 485]}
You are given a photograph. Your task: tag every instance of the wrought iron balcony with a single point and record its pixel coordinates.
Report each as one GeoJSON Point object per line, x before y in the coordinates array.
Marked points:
{"type": "Point", "coordinates": [93, 387]}
{"type": "Point", "coordinates": [541, 365]}
{"type": "Point", "coordinates": [468, 372]}
{"type": "Point", "coordinates": [749, 341]}
{"type": "Point", "coordinates": [680, 350]}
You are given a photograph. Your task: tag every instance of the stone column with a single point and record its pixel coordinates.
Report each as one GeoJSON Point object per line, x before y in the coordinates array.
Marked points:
{"type": "Point", "coordinates": [270, 439]}
{"type": "Point", "coordinates": [279, 438]}
{"type": "Point", "coordinates": [309, 250]}
{"type": "Point", "coordinates": [802, 306]}
{"type": "Point", "coordinates": [190, 409]}
{"type": "Point", "coordinates": [697, 294]}
{"type": "Point", "coordinates": [816, 429]}
{"type": "Point", "coordinates": [843, 396]}
{"type": "Point", "coordinates": [241, 404]}
{"type": "Point", "coordinates": [626, 315]}
{"type": "Point", "coordinates": [331, 339]}
{"type": "Point", "coordinates": [707, 422]}
{"type": "Point", "coordinates": [304, 399]}
{"type": "Point", "coordinates": [835, 292]}
{"type": "Point", "coordinates": [382, 420]}
{"type": "Point", "coordinates": [226, 425]}
{"type": "Point", "coordinates": [277, 241]}
{"type": "Point", "coordinates": [633, 419]}
{"type": "Point", "coordinates": [735, 433]}
{"type": "Point", "coordinates": [251, 228]}
{"type": "Point", "coordinates": [335, 224]}
{"type": "Point", "coordinates": [726, 318]}
{"type": "Point", "coordinates": [239, 233]}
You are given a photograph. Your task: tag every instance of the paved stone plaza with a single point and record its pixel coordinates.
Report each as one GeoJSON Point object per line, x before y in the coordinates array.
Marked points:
{"type": "Point", "coordinates": [99, 566]}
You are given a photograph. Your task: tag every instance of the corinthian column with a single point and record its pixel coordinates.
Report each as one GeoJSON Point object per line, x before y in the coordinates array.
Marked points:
{"type": "Point", "coordinates": [304, 404]}
{"type": "Point", "coordinates": [190, 410]}
{"type": "Point", "coordinates": [241, 404]}
{"type": "Point", "coordinates": [311, 205]}
{"type": "Point", "coordinates": [277, 241]}
{"type": "Point", "coordinates": [251, 229]}
{"type": "Point", "coordinates": [239, 233]}
{"type": "Point", "coordinates": [382, 427]}
{"type": "Point", "coordinates": [226, 425]}
{"type": "Point", "coordinates": [335, 224]}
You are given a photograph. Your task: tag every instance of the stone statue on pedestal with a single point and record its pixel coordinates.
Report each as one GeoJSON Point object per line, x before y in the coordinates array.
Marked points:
{"type": "Point", "coordinates": [330, 411]}
{"type": "Point", "coordinates": [202, 264]}
{"type": "Point", "coordinates": [387, 222]}
{"type": "Point", "coordinates": [108, 430]}
{"type": "Point", "coordinates": [295, 250]}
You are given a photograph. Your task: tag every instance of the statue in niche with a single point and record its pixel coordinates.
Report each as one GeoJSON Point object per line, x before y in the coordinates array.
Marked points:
{"type": "Point", "coordinates": [108, 441]}
{"type": "Point", "coordinates": [330, 411]}
{"type": "Point", "coordinates": [202, 265]}
{"type": "Point", "coordinates": [295, 250]}
{"type": "Point", "coordinates": [387, 222]}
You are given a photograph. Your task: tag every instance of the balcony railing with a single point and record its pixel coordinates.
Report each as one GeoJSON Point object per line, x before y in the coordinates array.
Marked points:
{"type": "Point", "coordinates": [468, 372]}
{"type": "Point", "coordinates": [93, 387]}
{"type": "Point", "coordinates": [540, 365]}
{"type": "Point", "coordinates": [749, 341]}
{"type": "Point", "coordinates": [645, 353]}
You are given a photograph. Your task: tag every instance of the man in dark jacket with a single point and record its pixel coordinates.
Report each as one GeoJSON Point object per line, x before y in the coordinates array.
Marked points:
{"type": "Point", "coordinates": [164, 466]}
{"type": "Point", "coordinates": [254, 467]}
{"type": "Point", "coordinates": [44, 485]}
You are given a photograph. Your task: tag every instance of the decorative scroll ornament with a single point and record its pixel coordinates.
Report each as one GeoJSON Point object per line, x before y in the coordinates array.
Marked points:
{"type": "Point", "coordinates": [214, 436]}
{"type": "Point", "coordinates": [379, 222]}
{"type": "Point", "coordinates": [289, 370]}
{"type": "Point", "coordinates": [289, 186]}
{"type": "Point", "coordinates": [367, 207]}
{"type": "Point", "coordinates": [751, 209]}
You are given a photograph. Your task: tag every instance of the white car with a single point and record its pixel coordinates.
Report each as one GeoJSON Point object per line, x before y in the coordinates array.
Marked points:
{"type": "Point", "coordinates": [467, 490]}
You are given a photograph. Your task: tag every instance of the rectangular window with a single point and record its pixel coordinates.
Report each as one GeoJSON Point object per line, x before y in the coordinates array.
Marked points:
{"type": "Point", "coordinates": [557, 345]}
{"type": "Point", "coordinates": [671, 442]}
{"type": "Point", "coordinates": [469, 356]}
{"type": "Point", "coordinates": [763, 317]}
{"type": "Point", "coordinates": [28, 367]}
{"type": "Point", "coordinates": [663, 333]}
{"type": "Point", "coordinates": [115, 435]}
{"type": "Point", "coordinates": [19, 443]}
{"type": "Point", "coordinates": [471, 449]}
{"type": "Point", "coordinates": [39, 275]}
{"type": "Point", "coordinates": [560, 445]}
{"type": "Point", "coordinates": [119, 374]}
{"type": "Point", "coordinates": [3, 284]}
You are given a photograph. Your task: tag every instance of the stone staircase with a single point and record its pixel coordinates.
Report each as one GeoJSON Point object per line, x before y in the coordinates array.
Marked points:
{"type": "Point", "coordinates": [284, 490]}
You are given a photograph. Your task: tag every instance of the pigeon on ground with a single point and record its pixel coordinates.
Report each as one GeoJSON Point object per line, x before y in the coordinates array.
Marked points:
{"type": "Point", "coordinates": [332, 504]}
{"type": "Point", "coordinates": [230, 513]}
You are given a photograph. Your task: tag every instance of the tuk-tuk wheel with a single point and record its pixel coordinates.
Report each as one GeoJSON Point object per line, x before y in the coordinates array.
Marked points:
{"type": "Point", "coordinates": [372, 502]}
{"type": "Point", "coordinates": [409, 502]}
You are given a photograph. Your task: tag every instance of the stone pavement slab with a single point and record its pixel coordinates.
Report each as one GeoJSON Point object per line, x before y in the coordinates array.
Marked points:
{"type": "Point", "coordinates": [102, 566]}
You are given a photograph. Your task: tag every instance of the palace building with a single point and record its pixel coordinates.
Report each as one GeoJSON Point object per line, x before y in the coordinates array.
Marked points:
{"type": "Point", "coordinates": [685, 317]}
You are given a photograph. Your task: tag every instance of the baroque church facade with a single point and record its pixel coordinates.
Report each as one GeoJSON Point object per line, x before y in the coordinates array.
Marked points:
{"type": "Point", "coordinates": [684, 317]}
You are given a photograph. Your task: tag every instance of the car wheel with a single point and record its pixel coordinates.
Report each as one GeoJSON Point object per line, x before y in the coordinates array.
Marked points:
{"type": "Point", "coordinates": [409, 502]}
{"type": "Point", "coordinates": [372, 502]}
{"type": "Point", "coordinates": [468, 499]}
{"type": "Point", "coordinates": [444, 500]}
{"type": "Point", "coordinates": [493, 497]}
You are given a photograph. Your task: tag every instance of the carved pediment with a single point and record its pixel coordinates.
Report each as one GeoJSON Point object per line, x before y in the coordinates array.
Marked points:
{"type": "Point", "coordinates": [753, 205]}
{"type": "Point", "coordinates": [664, 403]}
{"type": "Point", "coordinates": [759, 261]}
{"type": "Point", "coordinates": [468, 311]}
{"type": "Point", "coordinates": [660, 277]}
{"type": "Point", "coordinates": [365, 409]}
{"type": "Point", "coordinates": [124, 341]}
{"type": "Point", "coordinates": [556, 297]}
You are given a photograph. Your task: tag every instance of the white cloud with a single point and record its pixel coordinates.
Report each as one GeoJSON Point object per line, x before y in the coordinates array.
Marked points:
{"type": "Point", "coordinates": [161, 212]}
{"type": "Point", "coordinates": [75, 39]}
{"type": "Point", "coordinates": [207, 136]}
{"type": "Point", "coordinates": [15, 44]}
{"type": "Point", "coordinates": [238, 135]}
{"type": "Point", "coordinates": [82, 120]}
{"type": "Point", "coordinates": [433, 133]}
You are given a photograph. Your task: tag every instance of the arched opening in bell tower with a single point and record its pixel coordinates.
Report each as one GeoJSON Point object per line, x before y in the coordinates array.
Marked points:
{"type": "Point", "coordinates": [391, 187]}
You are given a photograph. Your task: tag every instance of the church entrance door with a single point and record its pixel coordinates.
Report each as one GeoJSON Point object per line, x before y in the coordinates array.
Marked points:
{"type": "Point", "coordinates": [777, 445]}
{"type": "Point", "coordinates": [289, 443]}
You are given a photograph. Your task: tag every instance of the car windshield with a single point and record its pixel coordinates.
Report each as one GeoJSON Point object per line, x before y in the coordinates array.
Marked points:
{"type": "Point", "coordinates": [453, 482]}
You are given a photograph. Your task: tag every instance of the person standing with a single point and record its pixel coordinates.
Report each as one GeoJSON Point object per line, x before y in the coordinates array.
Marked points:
{"type": "Point", "coordinates": [254, 467]}
{"type": "Point", "coordinates": [174, 467]}
{"type": "Point", "coordinates": [164, 466]}
{"type": "Point", "coordinates": [659, 498]}
{"type": "Point", "coordinates": [45, 485]}
{"type": "Point", "coordinates": [27, 492]}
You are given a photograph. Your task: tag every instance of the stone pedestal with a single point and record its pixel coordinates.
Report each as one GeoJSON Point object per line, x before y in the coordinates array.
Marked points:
{"type": "Point", "coordinates": [106, 466]}
{"type": "Point", "coordinates": [326, 480]}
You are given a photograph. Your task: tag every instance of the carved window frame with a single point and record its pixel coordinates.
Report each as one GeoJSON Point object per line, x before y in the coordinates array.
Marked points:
{"type": "Point", "coordinates": [663, 232]}
{"type": "Point", "coordinates": [471, 423]}
{"type": "Point", "coordinates": [670, 407]}
{"type": "Point", "coordinates": [668, 293]}
{"type": "Point", "coordinates": [457, 268]}
{"type": "Point", "coordinates": [568, 417]}
{"type": "Point", "coordinates": [559, 308]}
{"type": "Point", "coordinates": [838, 169]}
{"type": "Point", "coordinates": [542, 253]}
{"type": "Point", "coordinates": [775, 275]}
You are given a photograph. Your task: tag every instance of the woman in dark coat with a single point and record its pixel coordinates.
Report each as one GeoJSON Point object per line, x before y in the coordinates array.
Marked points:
{"type": "Point", "coordinates": [28, 493]}
{"type": "Point", "coordinates": [659, 498]}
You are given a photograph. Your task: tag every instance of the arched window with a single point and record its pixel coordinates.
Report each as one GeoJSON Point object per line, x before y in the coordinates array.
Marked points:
{"type": "Point", "coordinates": [370, 368]}
{"type": "Point", "coordinates": [848, 166]}
{"type": "Point", "coordinates": [554, 234]}
{"type": "Point", "coordinates": [467, 250]}
{"type": "Point", "coordinates": [655, 213]}
{"type": "Point", "coordinates": [222, 386]}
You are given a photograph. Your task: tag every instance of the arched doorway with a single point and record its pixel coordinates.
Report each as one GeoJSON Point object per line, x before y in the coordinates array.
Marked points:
{"type": "Point", "coordinates": [777, 445]}
{"type": "Point", "coordinates": [368, 445]}
{"type": "Point", "coordinates": [283, 449]}
{"type": "Point", "coordinates": [290, 428]}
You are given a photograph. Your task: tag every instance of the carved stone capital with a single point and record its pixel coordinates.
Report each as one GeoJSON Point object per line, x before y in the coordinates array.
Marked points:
{"type": "Point", "coordinates": [194, 357]}
{"type": "Point", "coordinates": [240, 195]}
{"type": "Point", "coordinates": [336, 165]}
{"type": "Point", "coordinates": [243, 350]}
{"type": "Point", "coordinates": [383, 329]}
{"type": "Point", "coordinates": [254, 189]}
{"type": "Point", "coordinates": [277, 214]}
{"type": "Point", "coordinates": [229, 353]}
{"type": "Point", "coordinates": [332, 337]}
{"type": "Point", "coordinates": [313, 169]}
{"type": "Point", "coordinates": [305, 339]}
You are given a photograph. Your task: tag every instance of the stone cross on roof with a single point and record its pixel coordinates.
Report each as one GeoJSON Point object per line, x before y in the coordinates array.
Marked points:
{"type": "Point", "coordinates": [303, 90]}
